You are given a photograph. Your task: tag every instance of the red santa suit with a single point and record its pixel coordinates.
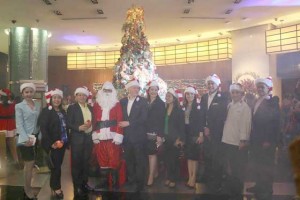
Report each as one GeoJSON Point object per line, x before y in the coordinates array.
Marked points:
{"type": "Point", "coordinates": [108, 139]}
{"type": "Point", "coordinates": [7, 115]}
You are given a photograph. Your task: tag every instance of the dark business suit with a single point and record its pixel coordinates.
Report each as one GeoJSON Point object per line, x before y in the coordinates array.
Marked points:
{"type": "Point", "coordinates": [213, 118]}
{"type": "Point", "coordinates": [81, 147]}
{"type": "Point", "coordinates": [265, 128]}
{"type": "Point", "coordinates": [175, 131]}
{"type": "Point", "coordinates": [134, 140]}
{"type": "Point", "coordinates": [155, 123]}
{"type": "Point", "coordinates": [50, 127]}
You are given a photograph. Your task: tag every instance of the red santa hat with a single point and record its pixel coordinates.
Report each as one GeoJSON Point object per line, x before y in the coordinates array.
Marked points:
{"type": "Point", "coordinates": [5, 92]}
{"type": "Point", "coordinates": [267, 81]}
{"type": "Point", "coordinates": [50, 94]}
{"type": "Point", "coordinates": [190, 89]}
{"type": "Point", "coordinates": [133, 82]}
{"type": "Point", "coordinates": [108, 85]}
{"type": "Point", "coordinates": [2, 93]}
{"type": "Point", "coordinates": [152, 84]}
{"type": "Point", "coordinates": [236, 86]}
{"type": "Point", "coordinates": [84, 90]}
{"type": "Point", "coordinates": [27, 85]}
{"type": "Point", "coordinates": [214, 78]}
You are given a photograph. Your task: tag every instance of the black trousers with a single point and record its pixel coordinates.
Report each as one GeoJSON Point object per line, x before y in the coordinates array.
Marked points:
{"type": "Point", "coordinates": [135, 157]}
{"type": "Point", "coordinates": [214, 164]}
{"type": "Point", "coordinates": [81, 150]}
{"type": "Point", "coordinates": [263, 161]}
{"type": "Point", "coordinates": [57, 157]}
{"type": "Point", "coordinates": [235, 160]}
{"type": "Point", "coordinates": [171, 158]}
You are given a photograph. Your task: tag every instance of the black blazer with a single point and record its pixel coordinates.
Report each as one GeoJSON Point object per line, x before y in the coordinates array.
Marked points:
{"type": "Point", "coordinates": [50, 127]}
{"type": "Point", "coordinates": [175, 125]}
{"type": "Point", "coordinates": [265, 123]}
{"type": "Point", "coordinates": [156, 117]}
{"type": "Point", "coordinates": [214, 117]}
{"type": "Point", "coordinates": [75, 118]}
{"type": "Point", "coordinates": [136, 131]}
{"type": "Point", "coordinates": [195, 117]}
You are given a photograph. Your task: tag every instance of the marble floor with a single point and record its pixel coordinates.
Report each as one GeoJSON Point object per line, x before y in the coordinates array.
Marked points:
{"type": "Point", "coordinates": [11, 188]}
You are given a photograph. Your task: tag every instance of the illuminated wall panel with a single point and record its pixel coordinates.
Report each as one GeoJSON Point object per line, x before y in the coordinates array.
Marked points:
{"type": "Point", "coordinates": [283, 39]}
{"type": "Point", "coordinates": [204, 51]}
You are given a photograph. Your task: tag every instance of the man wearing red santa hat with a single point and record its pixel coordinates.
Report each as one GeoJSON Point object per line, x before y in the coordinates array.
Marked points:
{"type": "Point", "coordinates": [108, 135]}
{"type": "Point", "coordinates": [263, 138]}
{"type": "Point", "coordinates": [214, 108]}
{"type": "Point", "coordinates": [79, 121]}
{"type": "Point", "coordinates": [135, 111]}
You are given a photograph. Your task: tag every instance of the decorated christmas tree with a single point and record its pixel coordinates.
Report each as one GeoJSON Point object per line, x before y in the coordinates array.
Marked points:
{"type": "Point", "coordinates": [135, 61]}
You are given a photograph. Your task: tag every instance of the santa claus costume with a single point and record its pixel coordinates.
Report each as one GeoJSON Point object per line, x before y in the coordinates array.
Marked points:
{"type": "Point", "coordinates": [107, 135]}
{"type": "Point", "coordinates": [7, 120]}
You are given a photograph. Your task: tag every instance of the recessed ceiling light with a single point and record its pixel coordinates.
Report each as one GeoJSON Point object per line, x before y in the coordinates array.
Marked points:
{"type": "Point", "coordinates": [57, 12]}
{"type": "Point", "coordinates": [94, 1]}
{"type": "Point", "coordinates": [100, 11]}
{"type": "Point", "coordinates": [237, 1]}
{"type": "Point", "coordinates": [49, 35]}
{"type": "Point", "coordinates": [228, 11]}
{"type": "Point", "coordinates": [186, 11]}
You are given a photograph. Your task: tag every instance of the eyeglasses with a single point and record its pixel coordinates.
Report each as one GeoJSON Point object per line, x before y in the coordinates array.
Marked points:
{"type": "Point", "coordinates": [107, 90]}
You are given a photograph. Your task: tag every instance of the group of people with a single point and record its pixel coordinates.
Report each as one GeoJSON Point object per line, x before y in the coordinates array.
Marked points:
{"type": "Point", "coordinates": [214, 133]}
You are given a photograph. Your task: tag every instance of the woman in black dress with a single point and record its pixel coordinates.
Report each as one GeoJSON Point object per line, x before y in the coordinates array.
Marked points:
{"type": "Point", "coordinates": [155, 128]}
{"type": "Point", "coordinates": [54, 138]}
{"type": "Point", "coordinates": [174, 136]}
{"type": "Point", "coordinates": [194, 137]}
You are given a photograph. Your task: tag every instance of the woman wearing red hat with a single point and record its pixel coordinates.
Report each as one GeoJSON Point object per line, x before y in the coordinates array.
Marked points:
{"type": "Point", "coordinates": [8, 122]}
{"type": "Point", "coordinates": [192, 129]}
{"type": "Point", "coordinates": [27, 113]}
{"type": "Point", "coordinates": [52, 123]}
{"type": "Point", "coordinates": [174, 136]}
{"type": "Point", "coordinates": [155, 128]}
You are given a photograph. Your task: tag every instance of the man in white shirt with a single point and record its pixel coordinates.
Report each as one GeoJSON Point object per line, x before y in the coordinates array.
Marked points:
{"type": "Point", "coordinates": [135, 116]}
{"type": "Point", "coordinates": [236, 133]}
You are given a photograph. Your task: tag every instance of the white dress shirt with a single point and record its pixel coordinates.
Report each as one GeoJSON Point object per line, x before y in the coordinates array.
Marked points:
{"type": "Point", "coordinates": [210, 98]}
{"type": "Point", "coordinates": [238, 123]}
{"type": "Point", "coordinates": [129, 105]}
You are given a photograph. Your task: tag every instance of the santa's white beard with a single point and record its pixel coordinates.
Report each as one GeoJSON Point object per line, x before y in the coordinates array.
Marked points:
{"type": "Point", "coordinates": [106, 100]}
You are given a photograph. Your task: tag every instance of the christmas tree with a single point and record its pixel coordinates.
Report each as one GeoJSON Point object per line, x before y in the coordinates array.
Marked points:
{"type": "Point", "coordinates": [135, 60]}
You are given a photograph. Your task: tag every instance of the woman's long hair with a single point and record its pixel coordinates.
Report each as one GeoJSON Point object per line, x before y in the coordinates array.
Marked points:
{"type": "Point", "coordinates": [175, 103]}
{"type": "Point", "coordinates": [60, 106]}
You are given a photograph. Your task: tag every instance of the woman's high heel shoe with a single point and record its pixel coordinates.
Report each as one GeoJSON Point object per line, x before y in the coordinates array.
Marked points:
{"type": "Point", "coordinates": [27, 198]}
{"type": "Point", "coordinates": [58, 195]}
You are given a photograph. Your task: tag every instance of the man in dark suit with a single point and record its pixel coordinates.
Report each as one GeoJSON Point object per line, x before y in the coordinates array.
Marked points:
{"type": "Point", "coordinates": [263, 138]}
{"type": "Point", "coordinates": [79, 118]}
{"type": "Point", "coordinates": [135, 115]}
{"type": "Point", "coordinates": [214, 110]}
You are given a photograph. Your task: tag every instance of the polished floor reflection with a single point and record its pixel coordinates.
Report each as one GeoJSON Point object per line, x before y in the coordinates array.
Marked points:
{"type": "Point", "coordinates": [11, 187]}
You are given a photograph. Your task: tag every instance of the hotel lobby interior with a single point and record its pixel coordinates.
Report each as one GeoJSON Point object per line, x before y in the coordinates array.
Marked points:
{"type": "Point", "coordinates": [70, 43]}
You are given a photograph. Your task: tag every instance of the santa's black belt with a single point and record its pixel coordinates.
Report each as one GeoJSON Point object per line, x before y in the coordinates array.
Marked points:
{"type": "Point", "coordinates": [106, 124]}
{"type": "Point", "coordinates": [7, 117]}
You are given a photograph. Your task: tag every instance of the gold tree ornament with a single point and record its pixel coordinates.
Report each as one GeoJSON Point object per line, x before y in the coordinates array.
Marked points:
{"type": "Point", "coordinates": [135, 14]}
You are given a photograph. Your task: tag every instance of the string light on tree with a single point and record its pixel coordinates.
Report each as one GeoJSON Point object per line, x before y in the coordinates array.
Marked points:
{"type": "Point", "coordinates": [135, 60]}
